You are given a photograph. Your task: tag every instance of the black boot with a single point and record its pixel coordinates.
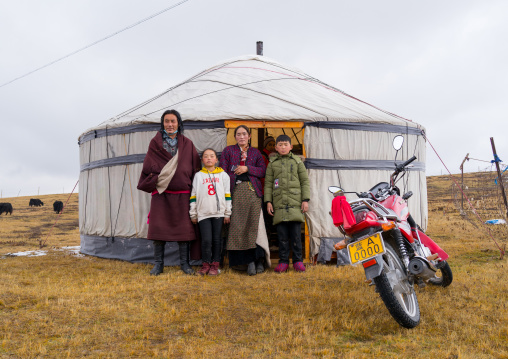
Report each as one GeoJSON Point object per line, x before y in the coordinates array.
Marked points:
{"type": "Point", "coordinates": [158, 256]}
{"type": "Point", "coordinates": [183, 248]}
{"type": "Point", "coordinates": [251, 268]}
{"type": "Point", "coordinates": [260, 266]}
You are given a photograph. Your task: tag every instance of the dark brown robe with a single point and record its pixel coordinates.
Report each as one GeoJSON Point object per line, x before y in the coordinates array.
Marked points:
{"type": "Point", "coordinates": [169, 212]}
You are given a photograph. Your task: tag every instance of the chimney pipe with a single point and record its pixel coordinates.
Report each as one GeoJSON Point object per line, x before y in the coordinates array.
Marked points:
{"type": "Point", "coordinates": [259, 48]}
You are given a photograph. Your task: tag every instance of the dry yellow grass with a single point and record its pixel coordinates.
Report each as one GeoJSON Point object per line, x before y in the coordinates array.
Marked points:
{"type": "Point", "coordinates": [27, 227]}
{"type": "Point", "coordinates": [61, 305]}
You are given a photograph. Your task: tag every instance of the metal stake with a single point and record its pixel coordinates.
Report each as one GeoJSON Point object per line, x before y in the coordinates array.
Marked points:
{"type": "Point", "coordinates": [499, 174]}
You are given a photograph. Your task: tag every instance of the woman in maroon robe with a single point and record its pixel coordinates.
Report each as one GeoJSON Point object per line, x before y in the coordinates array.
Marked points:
{"type": "Point", "coordinates": [169, 219]}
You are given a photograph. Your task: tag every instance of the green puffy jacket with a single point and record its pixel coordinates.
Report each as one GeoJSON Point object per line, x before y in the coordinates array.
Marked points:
{"type": "Point", "coordinates": [286, 187]}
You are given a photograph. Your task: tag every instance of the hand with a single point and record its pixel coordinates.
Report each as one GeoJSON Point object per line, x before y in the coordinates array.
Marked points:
{"type": "Point", "coordinates": [194, 220]}
{"type": "Point", "coordinates": [241, 169]}
{"type": "Point", "coordinates": [227, 220]}
{"type": "Point", "coordinates": [305, 207]}
{"type": "Point", "coordinates": [269, 208]}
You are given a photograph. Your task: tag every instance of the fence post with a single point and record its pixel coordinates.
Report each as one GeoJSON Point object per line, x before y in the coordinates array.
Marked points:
{"type": "Point", "coordinates": [462, 179]}
{"type": "Point", "coordinates": [496, 160]}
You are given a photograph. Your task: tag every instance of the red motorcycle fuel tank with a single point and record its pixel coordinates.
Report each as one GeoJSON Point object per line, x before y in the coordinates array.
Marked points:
{"type": "Point", "coordinates": [398, 205]}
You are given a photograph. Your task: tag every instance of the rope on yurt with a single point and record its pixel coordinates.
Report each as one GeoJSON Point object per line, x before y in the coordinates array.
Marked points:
{"type": "Point", "coordinates": [501, 250]}
{"type": "Point", "coordinates": [406, 184]}
{"type": "Point", "coordinates": [240, 86]}
{"type": "Point", "coordinates": [171, 89]}
{"type": "Point", "coordinates": [88, 178]}
{"type": "Point", "coordinates": [334, 152]}
{"type": "Point", "coordinates": [109, 190]}
{"type": "Point", "coordinates": [203, 73]}
{"type": "Point", "coordinates": [419, 174]}
{"type": "Point", "coordinates": [120, 201]}
{"type": "Point", "coordinates": [130, 184]}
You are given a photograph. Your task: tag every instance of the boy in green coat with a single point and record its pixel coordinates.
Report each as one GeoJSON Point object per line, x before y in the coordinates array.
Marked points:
{"type": "Point", "coordinates": [287, 193]}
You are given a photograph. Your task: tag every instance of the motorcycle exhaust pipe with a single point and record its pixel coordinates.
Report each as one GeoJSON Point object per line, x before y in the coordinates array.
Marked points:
{"type": "Point", "coordinates": [420, 267]}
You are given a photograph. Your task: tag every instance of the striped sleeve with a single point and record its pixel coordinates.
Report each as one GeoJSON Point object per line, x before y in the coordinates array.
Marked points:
{"type": "Point", "coordinates": [227, 194]}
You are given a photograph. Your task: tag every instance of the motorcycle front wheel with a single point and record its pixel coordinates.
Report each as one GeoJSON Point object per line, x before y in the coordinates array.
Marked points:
{"type": "Point", "coordinates": [444, 276]}
{"type": "Point", "coordinates": [396, 291]}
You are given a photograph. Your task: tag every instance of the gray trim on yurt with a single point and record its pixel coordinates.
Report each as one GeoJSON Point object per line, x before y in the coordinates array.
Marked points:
{"type": "Point", "coordinates": [114, 161]}
{"type": "Point", "coordinates": [146, 127]}
{"type": "Point", "coordinates": [360, 126]}
{"type": "Point", "coordinates": [323, 164]}
{"type": "Point", "coordinates": [134, 250]}
{"type": "Point", "coordinates": [310, 163]}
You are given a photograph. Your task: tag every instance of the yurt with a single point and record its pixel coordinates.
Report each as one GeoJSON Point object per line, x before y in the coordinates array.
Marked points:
{"type": "Point", "coordinates": [344, 141]}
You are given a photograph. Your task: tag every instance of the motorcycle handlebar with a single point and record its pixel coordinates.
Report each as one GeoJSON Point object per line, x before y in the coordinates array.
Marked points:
{"type": "Point", "coordinates": [409, 161]}
{"type": "Point", "coordinates": [404, 164]}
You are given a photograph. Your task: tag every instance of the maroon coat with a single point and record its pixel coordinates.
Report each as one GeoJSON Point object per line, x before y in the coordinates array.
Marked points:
{"type": "Point", "coordinates": [169, 212]}
{"type": "Point", "coordinates": [231, 155]}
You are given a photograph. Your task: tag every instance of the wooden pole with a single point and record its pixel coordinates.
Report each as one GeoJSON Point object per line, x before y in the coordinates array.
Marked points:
{"type": "Point", "coordinates": [496, 159]}
{"type": "Point", "coordinates": [462, 179]}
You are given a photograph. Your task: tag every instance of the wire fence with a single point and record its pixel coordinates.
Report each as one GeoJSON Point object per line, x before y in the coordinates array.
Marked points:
{"type": "Point", "coordinates": [486, 203]}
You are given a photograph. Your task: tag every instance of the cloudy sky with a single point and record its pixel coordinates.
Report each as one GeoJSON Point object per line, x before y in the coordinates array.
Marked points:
{"type": "Point", "coordinates": [439, 63]}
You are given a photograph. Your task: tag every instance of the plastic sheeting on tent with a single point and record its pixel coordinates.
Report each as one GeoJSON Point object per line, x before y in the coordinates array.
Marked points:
{"type": "Point", "coordinates": [347, 143]}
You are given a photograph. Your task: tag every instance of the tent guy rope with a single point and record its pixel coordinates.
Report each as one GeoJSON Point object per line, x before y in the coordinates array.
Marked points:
{"type": "Point", "coordinates": [501, 250]}
{"type": "Point", "coordinates": [43, 243]}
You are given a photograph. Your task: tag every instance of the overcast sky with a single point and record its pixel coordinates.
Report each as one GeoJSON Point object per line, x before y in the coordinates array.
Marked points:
{"type": "Point", "coordinates": [439, 63]}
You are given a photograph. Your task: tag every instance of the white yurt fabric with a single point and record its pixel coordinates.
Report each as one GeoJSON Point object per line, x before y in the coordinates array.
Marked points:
{"type": "Point", "coordinates": [347, 143]}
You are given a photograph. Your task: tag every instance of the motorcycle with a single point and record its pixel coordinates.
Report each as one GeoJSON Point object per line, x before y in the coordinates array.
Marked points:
{"type": "Point", "coordinates": [396, 254]}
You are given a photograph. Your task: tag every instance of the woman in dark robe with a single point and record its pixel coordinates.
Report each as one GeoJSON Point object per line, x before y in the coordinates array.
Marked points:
{"type": "Point", "coordinates": [168, 170]}
{"type": "Point", "coordinates": [245, 166]}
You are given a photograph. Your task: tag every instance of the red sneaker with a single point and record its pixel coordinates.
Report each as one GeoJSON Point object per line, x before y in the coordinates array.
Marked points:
{"type": "Point", "coordinates": [205, 268]}
{"type": "Point", "coordinates": [281, 267]}
{"type": "Point", "coordinates": [298, 267]}
{"type": "Point", "coordinates": [214, 268]}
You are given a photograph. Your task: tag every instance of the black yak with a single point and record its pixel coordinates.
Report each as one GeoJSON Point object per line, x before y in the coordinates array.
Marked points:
{"type": "Point", "coordinates": [5, 208]}
{"type": "Point", "coordinates": [35, 202]}
{"type": "Point", "coordinates": [58, 206]}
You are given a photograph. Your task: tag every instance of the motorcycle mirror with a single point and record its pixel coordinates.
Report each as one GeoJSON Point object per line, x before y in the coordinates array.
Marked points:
{"type": "Point", "coordinates": [397, 142]}
{"type": "Point", "coordinates": [335, 190]}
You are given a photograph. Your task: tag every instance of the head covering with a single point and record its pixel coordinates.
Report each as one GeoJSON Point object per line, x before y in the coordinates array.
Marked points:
{"type": "Point", "coordinates": [268, 140]}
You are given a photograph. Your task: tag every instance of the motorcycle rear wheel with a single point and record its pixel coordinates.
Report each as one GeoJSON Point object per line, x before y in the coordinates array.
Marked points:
{"type": "Point", "coordinates": [444, 275]}
{"type": "Point", "coordinates": [396, 291]}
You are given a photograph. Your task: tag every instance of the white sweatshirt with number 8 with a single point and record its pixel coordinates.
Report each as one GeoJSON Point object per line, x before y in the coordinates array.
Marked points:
{"type": "Point", "coordinates": [210, 195]}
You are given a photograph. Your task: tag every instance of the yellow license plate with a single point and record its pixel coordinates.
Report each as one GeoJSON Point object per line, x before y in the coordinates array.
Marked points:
{"type": "Point", "coordinates": [366, 248]}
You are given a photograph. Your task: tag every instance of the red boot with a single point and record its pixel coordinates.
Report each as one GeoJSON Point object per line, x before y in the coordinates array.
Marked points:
{"type": "Point", "coordinates": [214, 268]}
{"type": "Point", "coordinates": [205, 269]}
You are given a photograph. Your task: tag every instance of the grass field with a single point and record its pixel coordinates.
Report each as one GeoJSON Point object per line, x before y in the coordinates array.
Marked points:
{"type": "Point", "coordinates": [63, 305]}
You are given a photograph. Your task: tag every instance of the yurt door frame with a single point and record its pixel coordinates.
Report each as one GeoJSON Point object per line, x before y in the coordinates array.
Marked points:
{"type": "Point", "coordinates": [281, 125]}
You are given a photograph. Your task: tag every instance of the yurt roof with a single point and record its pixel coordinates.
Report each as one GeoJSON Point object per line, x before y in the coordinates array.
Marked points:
{"type": "Point", "coordinates": [255, 88]}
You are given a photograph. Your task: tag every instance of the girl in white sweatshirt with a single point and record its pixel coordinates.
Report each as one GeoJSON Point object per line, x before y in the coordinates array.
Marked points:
{"type": "Point", "coordinates": [210, 205]}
